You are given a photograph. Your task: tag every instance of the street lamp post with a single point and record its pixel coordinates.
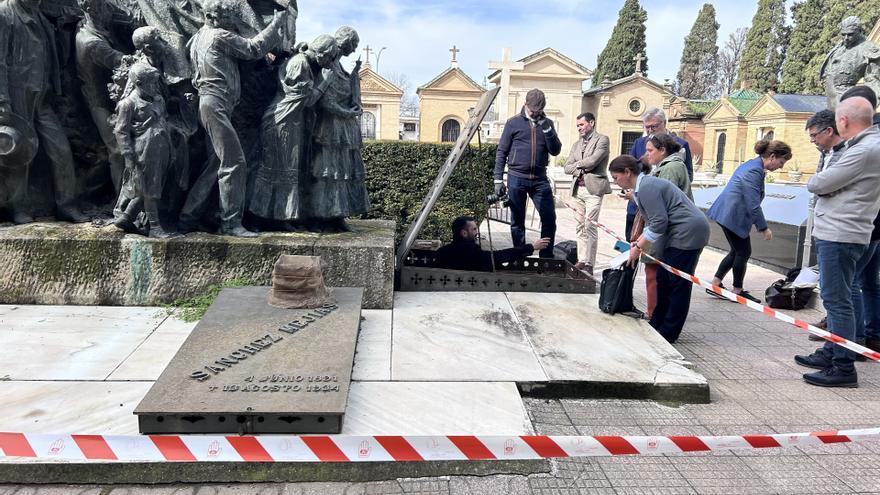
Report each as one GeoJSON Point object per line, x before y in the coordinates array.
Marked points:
{"type": "Point", "coordinates": [379, 54]}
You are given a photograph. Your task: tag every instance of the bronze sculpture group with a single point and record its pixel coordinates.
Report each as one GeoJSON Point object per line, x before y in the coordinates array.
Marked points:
{"type": "Point", "coordinates": [203, 115]}
{"type": "Point", "coordinates": [206, 116]}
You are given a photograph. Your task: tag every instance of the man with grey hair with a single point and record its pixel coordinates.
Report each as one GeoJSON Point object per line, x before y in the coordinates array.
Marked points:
{"type": "Point", "coordinates": [654, 122]}
{"type": "Point", "coordinates": [851, 60]}
{"type": "Point", "coordinates": [215, 51]}
{"type": "Point", "coordinates": [821, 128]}
{"type": "Point", "coordinates": [846, 206]}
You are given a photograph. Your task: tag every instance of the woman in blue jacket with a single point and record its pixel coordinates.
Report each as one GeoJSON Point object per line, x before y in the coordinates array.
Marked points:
{"type": "Point", "coordinates": [739, 207]}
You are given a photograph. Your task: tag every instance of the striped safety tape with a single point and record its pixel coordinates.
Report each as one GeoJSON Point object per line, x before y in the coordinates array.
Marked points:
{"type": "Point", "coordinates": [850, 345]}
{"type": "Point", "coordinates": [288, 448]}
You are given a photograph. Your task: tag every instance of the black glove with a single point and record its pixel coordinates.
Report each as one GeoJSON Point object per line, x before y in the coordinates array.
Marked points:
{"type": "Point", "coordinates": [545, 124]}
{"type": "Point", "coordinates": [500, 189]}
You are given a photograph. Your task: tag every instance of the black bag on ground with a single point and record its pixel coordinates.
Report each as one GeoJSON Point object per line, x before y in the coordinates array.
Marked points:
{"type": "Point", "coordinates": [567, 250]}
{"type": "Point", "coordinates": [781, 295]}
{"type": "Point", "coordinates": [616, 291]}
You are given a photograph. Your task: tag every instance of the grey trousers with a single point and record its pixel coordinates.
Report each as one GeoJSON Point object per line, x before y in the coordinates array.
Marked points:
{"type": "Point", "coordinates": [227, 169]}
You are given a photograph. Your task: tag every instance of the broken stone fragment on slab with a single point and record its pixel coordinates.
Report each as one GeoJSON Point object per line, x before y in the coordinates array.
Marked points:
{"type": "Point", "coordinates": [298, 282]}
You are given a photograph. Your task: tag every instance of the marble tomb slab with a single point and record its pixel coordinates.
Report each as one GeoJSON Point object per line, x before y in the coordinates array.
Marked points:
{"type": "Point", "coordinates": [435, 408]}
{"type": "Point", "coordinates": [372, 359]}
{"type": "Point", "coordinates": [459, 336]}
{"type": "Point", "coordinates": [581, 347]}
{"type": "Point", "coordinates": [153, 355]}
{"type": "Point", "coordinates": [74, 343]}
{"type": "Point", "coordinates": [96, 408]}
{"type": "Point", "coordinates": [248, 367]}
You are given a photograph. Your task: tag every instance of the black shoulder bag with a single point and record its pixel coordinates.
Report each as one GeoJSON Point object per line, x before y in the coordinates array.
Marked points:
{"type": "Point", "coordinates": [616, 291]}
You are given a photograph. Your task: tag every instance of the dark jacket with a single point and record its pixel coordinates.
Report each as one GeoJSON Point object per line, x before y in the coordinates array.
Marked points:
{"type": "Point", "coordinates": [525, 149]}
{"type": "Point", "coordinates": [462, 254]}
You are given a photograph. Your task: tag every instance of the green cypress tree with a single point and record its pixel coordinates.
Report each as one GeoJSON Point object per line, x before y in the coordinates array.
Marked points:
{"type": "Point", "coordinates": [765, 47]}
{"type": "Point", "coordinates": [697, 72]}
{"type": "Point", "coordinates": [626, 41]}
{"type": "Point", "coordinates": [809, 19]}
{"type": "Point", "coordinates": [836, 10]}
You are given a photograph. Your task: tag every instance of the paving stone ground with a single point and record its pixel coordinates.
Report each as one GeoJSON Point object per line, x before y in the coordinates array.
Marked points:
{"type": "Point", "coordinates": [756, 388]}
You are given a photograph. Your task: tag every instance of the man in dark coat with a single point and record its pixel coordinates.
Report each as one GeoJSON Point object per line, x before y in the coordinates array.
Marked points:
{"type": "Point", "coordinates": [525, 147]}
{"type": "Point", "coordinates": [463, 253]}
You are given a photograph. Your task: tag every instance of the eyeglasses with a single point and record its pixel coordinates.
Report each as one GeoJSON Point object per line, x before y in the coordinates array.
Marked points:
{"type": "Point", "coordinates": [820, 131]}
{"type": "Point", "coordinates": [652, 127]}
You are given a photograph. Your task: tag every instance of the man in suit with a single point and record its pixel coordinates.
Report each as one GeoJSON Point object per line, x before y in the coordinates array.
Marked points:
{"type": "Point", "coordinates": [588, 164]}
{"type": "Point", "coordinates": [654, 122]}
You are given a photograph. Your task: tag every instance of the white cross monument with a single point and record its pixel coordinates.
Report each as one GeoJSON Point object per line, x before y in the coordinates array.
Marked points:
{"type": "Point", "coordinates": [454, 51]}
{"type": "Point", "coordinates": [638, 59]}
{"type": "Point", "coordinates": [505, 66]}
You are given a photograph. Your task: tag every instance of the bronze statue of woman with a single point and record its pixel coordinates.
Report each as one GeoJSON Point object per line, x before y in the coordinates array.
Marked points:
{"type": "Point", "coordinates": [275, 194]}
{"type": "Point", "coordinates": [337, 188]}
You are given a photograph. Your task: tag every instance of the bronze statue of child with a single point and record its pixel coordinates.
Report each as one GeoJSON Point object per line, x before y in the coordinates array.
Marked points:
{"type": "Point", "coordinates": [145, 143]}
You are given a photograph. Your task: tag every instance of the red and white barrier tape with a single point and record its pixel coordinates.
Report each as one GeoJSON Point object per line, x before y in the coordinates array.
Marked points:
{"type": "Point", "coordinates": [311, 448]}
{"type": "Point", "coordinates": [852, 346]}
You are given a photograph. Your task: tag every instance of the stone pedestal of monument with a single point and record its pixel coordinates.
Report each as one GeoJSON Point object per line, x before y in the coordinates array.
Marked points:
{"type": "Point", "coordinates": [61, 263]}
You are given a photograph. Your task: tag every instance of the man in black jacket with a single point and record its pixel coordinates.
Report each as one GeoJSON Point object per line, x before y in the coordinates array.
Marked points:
{"type": "Point", "coordinates": [528, 141]}
{"type": "Point", "coordinates": [463, 253]}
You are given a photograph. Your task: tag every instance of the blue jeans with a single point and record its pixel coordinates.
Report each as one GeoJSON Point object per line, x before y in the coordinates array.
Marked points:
{"type": "Point", "coordinates": [542, 195]}
{"type": "Point", "coordinates": [866, 294]}
{"type": "Point", "coordinates": [837, 269]}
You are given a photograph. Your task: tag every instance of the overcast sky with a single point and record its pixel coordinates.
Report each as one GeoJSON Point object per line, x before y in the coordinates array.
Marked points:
{"type": "Point", "coordinates": [418, 34]}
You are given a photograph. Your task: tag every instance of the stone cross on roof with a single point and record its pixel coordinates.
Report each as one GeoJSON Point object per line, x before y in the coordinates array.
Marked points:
{"type": "Point", "coordinates": [638, 60]}
{"type": "Point", "coordinates": [505, 66]}
{"type": "Point", "coordinates": [454, 51]}
{"type": "Point", "coordinates": [368, 50]}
